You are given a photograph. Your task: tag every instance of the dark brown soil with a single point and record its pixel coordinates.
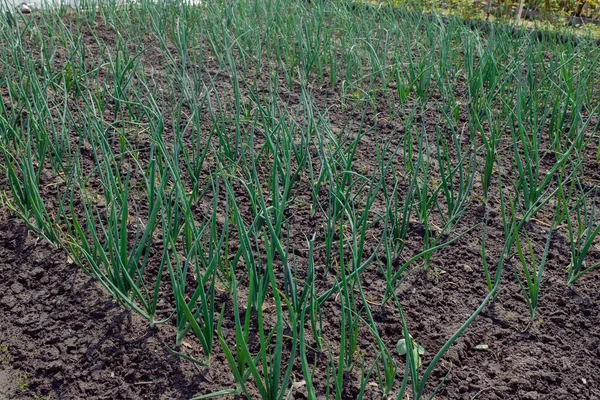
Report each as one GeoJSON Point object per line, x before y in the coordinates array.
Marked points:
{"type": "Point", "coordinates": [64, 338]}
{"type": "Point", "coordinates": [67, 339]}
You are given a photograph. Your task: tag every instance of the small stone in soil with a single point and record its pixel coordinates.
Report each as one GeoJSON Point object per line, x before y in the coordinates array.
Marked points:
{"type": "Point", "coordinates": [24, 8]}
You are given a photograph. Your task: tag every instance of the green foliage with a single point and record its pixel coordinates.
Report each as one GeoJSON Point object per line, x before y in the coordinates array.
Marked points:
{"type": "Point", "coordinates": [281, 155]}
{"type": "Point", "coordinates": [543, 10]}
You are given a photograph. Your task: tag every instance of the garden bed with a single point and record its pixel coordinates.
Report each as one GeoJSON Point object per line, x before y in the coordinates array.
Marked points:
{"type": "Point", "coordinates": [181, 109]}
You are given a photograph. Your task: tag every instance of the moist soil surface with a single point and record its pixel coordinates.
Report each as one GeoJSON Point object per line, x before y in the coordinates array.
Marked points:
{"type": "Point", "coordinates": [63, 337]}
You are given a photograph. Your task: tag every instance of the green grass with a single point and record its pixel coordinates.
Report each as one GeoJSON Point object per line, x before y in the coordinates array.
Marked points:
{"type": "Point", "coordinates": [179, 152]}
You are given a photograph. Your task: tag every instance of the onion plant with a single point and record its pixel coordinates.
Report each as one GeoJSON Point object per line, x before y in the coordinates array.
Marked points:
{"type": "Point", "coordinates": [532, 270]}
{"type": "Point", "coordinates": [267, 368]}
{"type": "Point", "coordinates": [456, 182]}
{"type": "Point", "coordinates": [26, 200]}
{"type": "Point", "coordinates": [114, 257]}
{"type": "Point", "coordinates": [196, 312]}
{"type": "Point", "coordinates": [534, 188]}
{"type": "Point", "coordinates": [583, 229]}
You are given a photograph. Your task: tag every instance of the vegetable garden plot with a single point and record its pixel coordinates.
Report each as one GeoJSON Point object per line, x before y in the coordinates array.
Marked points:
{"type": "Point", "coordinates": [324, 201]}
